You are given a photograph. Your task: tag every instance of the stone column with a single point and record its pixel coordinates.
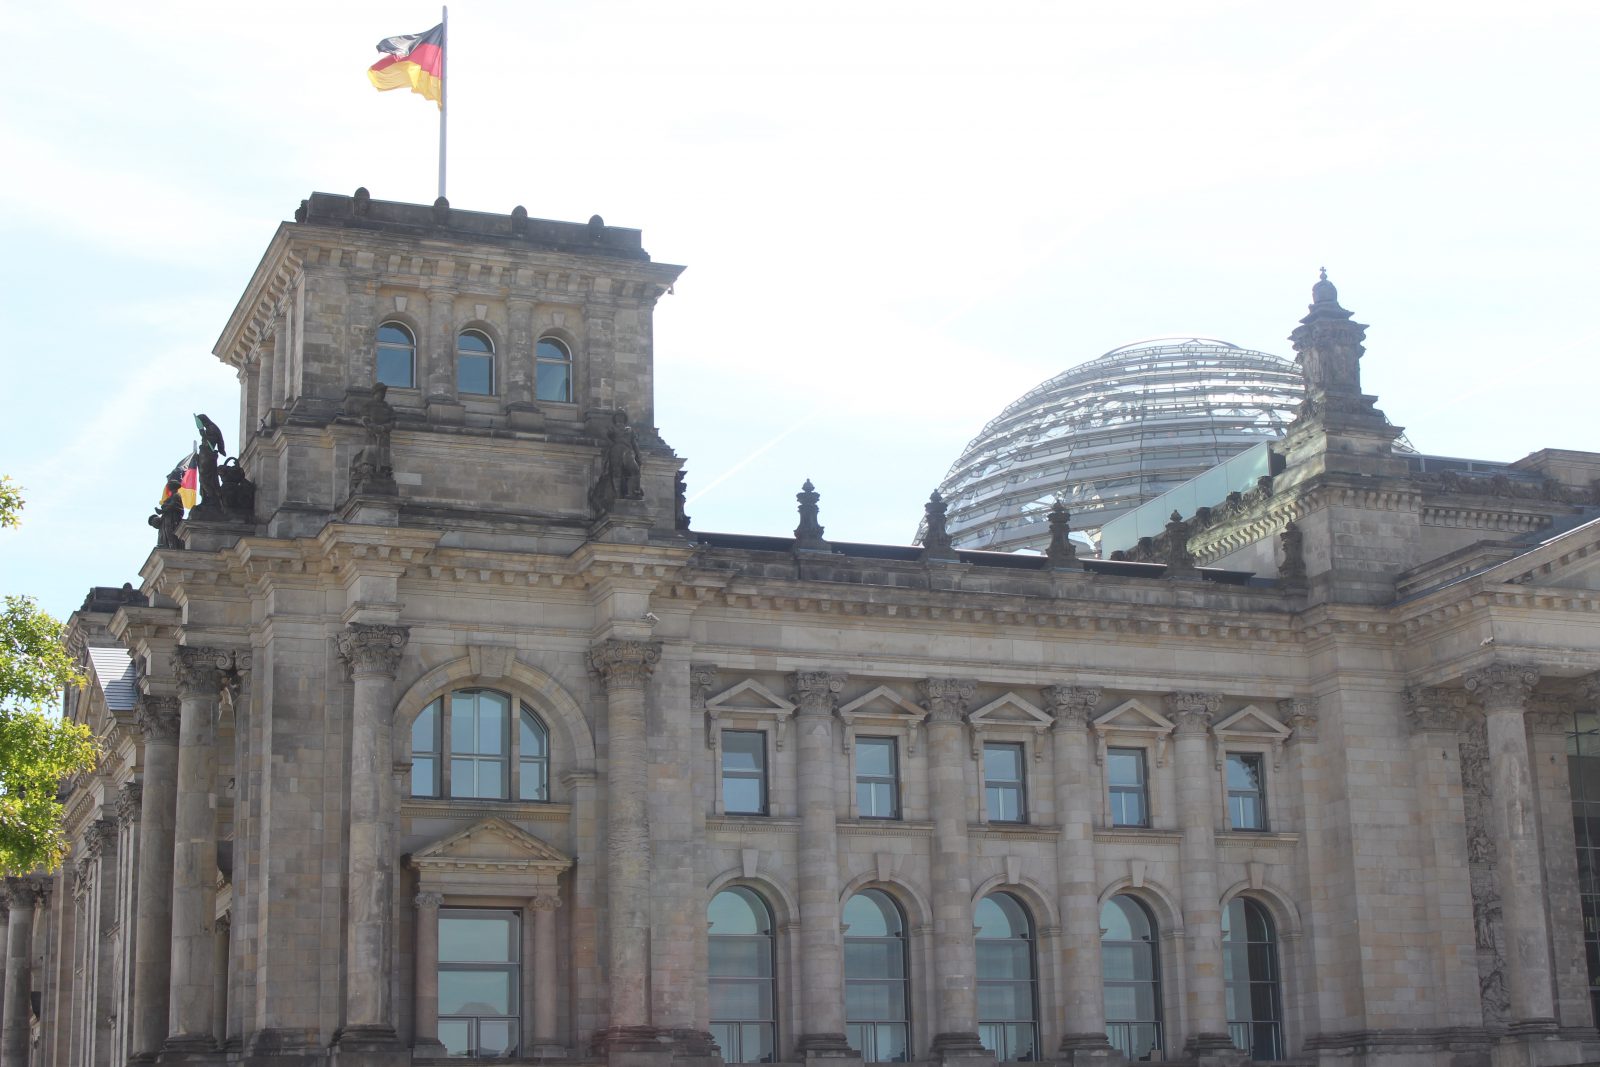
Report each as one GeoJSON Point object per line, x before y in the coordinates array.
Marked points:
{"type": "Point", "coordinates": [1202, 913]}
{"type": "Point", "coordinates": [821, 1032]}
{"type": "Point", "coordinates": [517, 364]}
{"type": "Point", "coordinates": [625, 667]}
{"type": "Point", "coordinates": [1549, 724]}
{"type": "Point", "coordinates": [22, 894]}
{"type": "Point", "coordinates": [1503, 690]}
{"type": "Point", "coordinates": [438, 354]}
{"type": "Point", "coordinates": [425, 1012]}
{"type": "Point", "coordinates": [152, 943]}
{"type": "Point", "coordinates": [219, 979]}
{"type": "Point", "coordinates": [1434, 716]}
{"type": "Point", "coordinates": [955, 961]}
{"type": "Point", "coordinates": [373, 654]}
{"type": "Point", "coordinates": [194, 852]}
{"type": "Point", "coordinates": [1077, 799]}
{"type": "Point", "coordinates": [546, 1030]}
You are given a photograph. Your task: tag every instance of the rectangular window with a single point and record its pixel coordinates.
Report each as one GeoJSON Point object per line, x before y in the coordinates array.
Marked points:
{"type": "Point", "coordinates": [479, 982]}
{"type": "Point", "coordinates": [1003, 790]}
{"type": "Point", "coordinates": [1247, 795]}
{"type": "Point", "coordinates": [744, 772]}
{"type": "Point", "coordinates": [877, 778]}
{"type": "Point", "coordinates": [1130, 796]}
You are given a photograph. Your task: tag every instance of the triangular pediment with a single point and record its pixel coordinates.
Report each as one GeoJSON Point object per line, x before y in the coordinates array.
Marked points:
{"type": "Point", "coordinates": [749, 696]}
{"type": "Point", "coordinates": [491, 842]}
{"type": "Point", "coordinates": [1133, 715]}
{"type": "Point", "coordinates": [881, 702]}
{"type": "Point", "coordinates": [1250, 721]}
{"type": "Point", "coordinates": [1010, 710]}
{"type": "Point", "coordinates": [1569, 560]}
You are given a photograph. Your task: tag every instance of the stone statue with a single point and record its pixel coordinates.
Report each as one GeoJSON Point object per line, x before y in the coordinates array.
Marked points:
{"type": "Point", "coordinates": [372, 469]}
{"type": "Point", "coordinates": [238, 492]}
{"type": "Point", "coordinates": [167, 517]}
{"type": "Point", "coordinates": [936, 542]}
{"type": "Point", "coordinates": [210, 505]}
{"type": "Point", "coordinates": [680, 493]}
{"type": "Point", "coordinates": [1062, 553]}
{"type": "Point", "coordinates": [620, 466]}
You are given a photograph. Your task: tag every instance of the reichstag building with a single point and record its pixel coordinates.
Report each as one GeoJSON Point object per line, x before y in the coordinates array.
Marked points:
{"type": "Point", "coordinates": [436, 730]}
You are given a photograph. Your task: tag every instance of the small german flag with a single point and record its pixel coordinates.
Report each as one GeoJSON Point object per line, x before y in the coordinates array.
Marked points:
{"type": "Point", "coordinates": [187, 474]}
{"type": "Point", "coordinates": [415, 60]}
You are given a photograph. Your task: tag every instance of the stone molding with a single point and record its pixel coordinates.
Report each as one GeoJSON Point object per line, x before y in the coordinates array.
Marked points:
{"type": "Point", "coordinates": [946, 698]}
{"type": "Point", "coordinates": [1192, 711]}
{"type": "Point", "coordinates": [624, 664]}
{"type": "Point", "coordinates": [158, 719]}
{"type": "Point", "coordinates": [1300, 715]}
{"type": "Point", "coordinates": [702, 680]}
{"type": "Point", "coordinates": [1503, 686]}
{"type": "Point", "coordinates": [1072, 705]}
{"type": "Point", "coordinates": [428, 900]}
{"type": "Point", "coordinates": [1429, 709]}
{"type": "Point", "coordinates": [198, 669]}
{"type": "Point", "coordinates": [815, 692]}
{"type": "Point", "coordinates": [544, 902]}
{"type": "Point", "coordinates": [370, 650]}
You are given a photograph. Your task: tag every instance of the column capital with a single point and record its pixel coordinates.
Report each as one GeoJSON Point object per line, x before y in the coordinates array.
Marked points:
{"type": "Point", "coordinates": [158, 719]}
{"type": "Point", "coordinates": [1300, 715]}
{"type": "Point", "coordinates": [1072, 705]}
{"type": "Point", "coordinates": [96, 836]}
{"type": "Point", "coordinates": [1503, 686]}
{"type": "Point", "coordinates": [1192, 711]}
{"type": "Point", "coordinates": [129, 798]}
{"type": "Point", "coordinates": [624, 664]}
{"type": "Point", "coordinates": [702, 679]}
{"type": "Point", "coordinates": [946, 698]}
{"type": "Point", "coordinates": [814, 692]}
{"type": "Point", "coordinates": [25, 892]}
{"type": "Point", "coordinates": [372, 650]}
{"type": "Point", "coordinates": [1550, 715]}
{"type": "Point", "coordinates": [198, 669]}
{"type": "Point", "coordinates": [427, 899]}
{"type": "Point", "coordinates": [544, 902]}
{"type": "Point", "coordinates": [1430, 708]}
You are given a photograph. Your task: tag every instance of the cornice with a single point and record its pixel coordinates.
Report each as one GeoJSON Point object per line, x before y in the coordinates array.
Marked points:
{"type": "Point", "coordinates": [1129, 835]}
{"type": "Point", "coordinates": [884, 828]}
{"type": "Point", "coordinates": [751, 825]}
{"type": "Point", "coordinates": [511, 810]}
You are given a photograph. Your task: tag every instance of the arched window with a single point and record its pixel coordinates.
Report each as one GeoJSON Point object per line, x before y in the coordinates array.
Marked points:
{"type": "Point", "coordinates": [875, 1000]}
{"type": "Point", "coordinates": [474, 363]}
{"type": "Point", "coordinates": [552, 371]}
{"type": "Point", "coordinates": [1250, 977]}
{"type": "Point", "coordinates": [1007, 1022]}
{"type": "Point", "coordinates": [463, 746]}
{"type": "Point", "coordinates": [397, 356]}
{"type": "Point", "coordinates": [744, 1017]}
{"type": "Point", "coordinates": [1130, 968]}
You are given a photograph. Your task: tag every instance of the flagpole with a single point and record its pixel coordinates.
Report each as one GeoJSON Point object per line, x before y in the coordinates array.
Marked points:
{"type": "Point", "coordinates": [444, 90]}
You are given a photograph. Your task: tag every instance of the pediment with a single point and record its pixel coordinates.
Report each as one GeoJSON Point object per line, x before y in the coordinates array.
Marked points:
{"type": "Point", "coordinates": [749, 697]}
{"type": "Point", "coordinates": [1251, 722]}
{"type": "Point", "coordinates": [881, 702]}
{"type": "Point", "coordinates": [1570, 560]}
{"type": "Point", "coordinates": [1011, 710]}
{"type": "Point", "coordinates": [1133, 715]}
{"type": "Point", "coordinates": [491, 843]}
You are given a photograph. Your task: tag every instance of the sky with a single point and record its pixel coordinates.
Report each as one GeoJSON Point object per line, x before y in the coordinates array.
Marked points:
{"type": "Point", "coordinates": [896, 217]}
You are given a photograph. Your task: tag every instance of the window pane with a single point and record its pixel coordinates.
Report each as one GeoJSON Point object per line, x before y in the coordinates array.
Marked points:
{"type": "Point", "coordinates": [737, 912]}
{"type": "Point", "coordinates": [1244, 772]}
{"type": "Point", "coordinates": [463, 723]}
{"type": "Point", "coordinates": [454, 1035]}
{"type": "Point", "coordinates": [1124, 766]}
{"type": "Point", "coordinates": [395, 367]}
{"type": "Point", "coordinates": [474, 992]}
{"type": "Point", "coordinates": [491, 779]}
{"type": "Point", "coordinates": [743, 750]}
{"type": "Point", "coordinates": [463, 778]}
{"type": "Point", "coordinates": [1002, 763]}
{"type": "Point", "coordinates": [424, 730]}
{"type": "Point", "coordinates": [1005, 1000]}
{"type": "Point", "coordinates": [740, 1000]}
{"type": "Point", "coordinates": [475, 938]}
{"type": "Point", "coordinates": [475, 374]}
{"type": "Point", "coordinates": [875, 1000]}
{"type": "Point", "coordinates": [871, 914]}
{"type": "Point", "coordinates": [424, 777]}
{"type": "Point", "coordinates": [1004, 803]}
{"type": "Point", "coordinates": [495, 1037]}
{"type": "Point", "coordinates": [492, 709]}
{"type": "Point", "coordinates": [391, 333]}
{"type": "Point", "coordinates": [1002, 960]}
{"type": "Point", "coordinates": [874, 959]}
{"type": "Point", "coordinates": [742, 796]}
{"type": "Point", "coordinates": [741, 957]}
{"type": "Point", "coordinates": [756, 1043]}
{"type": "Point", "coordinates": [550, 348]}
{"type": "Point", "coordinates": [554, 382]}
{"type": "Point", "coordinates": [533, 786]}
{"type": "Point", "coordinates": [473, 341]}
{"type": "Point", "coordinates": [875, 756]}
{"type": "Point", "coordinates": [532, 735]}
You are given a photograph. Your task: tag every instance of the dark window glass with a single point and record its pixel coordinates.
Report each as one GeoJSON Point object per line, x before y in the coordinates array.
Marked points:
{"type": "Point", "coordinates": [1247, 794]}
{"type": "Point", "coordinates": [1130, 797]}
{"type": "Point", "coordinates": [875, 996]}
{"type": "Point", "coordinates": [744, 772]}
{"type": "Point", "coordinates": [474, 363]}
{"type": "Point", "coordinates": [397, 356]}
{"type": "Point", "coordinates": [744, 1017]}
{"type": "Point", "coordinates": [877, 778]}
{"type": "Point", "coordinates": [1003, 788]}
{"type": "Point", "coordinates": [1250, 979]}
{"type": "Point", "coordinates": [552, 371]}
{"type": "Point", "coordinates": [534, 758]}
{"type": "Point", "coordinates": [479, 981]}
{"type": "Point", "coordinates": [1007, 1019]}
{"type": "Point", "coordinates": [425, 752]}
{"type": "Point", "coordinates": [1130, 970]}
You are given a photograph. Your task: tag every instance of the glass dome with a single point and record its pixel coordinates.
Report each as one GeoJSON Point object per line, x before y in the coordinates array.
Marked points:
{"type": "Point", "coordinates": [1107, 435]}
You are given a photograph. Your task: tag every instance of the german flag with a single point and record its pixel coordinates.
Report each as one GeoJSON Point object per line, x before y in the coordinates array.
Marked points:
{"type": "Point", "coordinates": [415, 60]}
{"type": "Point", "coordinates": [187, 474]}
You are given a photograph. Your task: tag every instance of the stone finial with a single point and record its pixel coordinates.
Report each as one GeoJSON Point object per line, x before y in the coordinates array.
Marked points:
{"type": "Point", "coordinates": [519, 220]}
{"type": "Point", "coordinates": [809, 533]}
{"type": "Point", "coordinates": [1328, 347]}
{"type": "Point", "coordinates": [1072, 705]}
{"type": "Point", "coordinates": [946, 698]}
{"type": "Point", "coordinates": [1062, 553]}
{"type": "Point", "coordinates": [1502, 686]}
{"type": "Point", "coordinates": [158, 718]}
{"type": "Point", "coordinates": [371, 650]}
{"type": "Point", "coordinates": [1429, 708]}
{"type": "Point", "coordinates": [815, 692]}
{"type": "Point", "coordinates": [1292, 565]}
{"type": "Point", "coordinates": [625, 664]}
{"type": "Point", "coordinates": [1192, 711]}
{"type": "Point", "coordinates": [1179, 561]}
{"type": "Point", "coordinates": [936, 542]}
{"type": "Point", "coordinates": [361, 203]}
{"type": "Point", "coordinates": [441, 212]}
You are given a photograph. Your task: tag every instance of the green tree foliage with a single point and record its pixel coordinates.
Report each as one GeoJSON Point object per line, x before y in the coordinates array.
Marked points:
{"type": "Point", "coordinates": [37, 748]}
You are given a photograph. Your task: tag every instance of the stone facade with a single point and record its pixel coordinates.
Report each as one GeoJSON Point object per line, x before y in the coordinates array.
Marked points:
{"type": "Point", "coordinates": [300, 795]}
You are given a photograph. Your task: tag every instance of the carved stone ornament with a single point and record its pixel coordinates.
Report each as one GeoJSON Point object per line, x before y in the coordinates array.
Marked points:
{"type": "Point", "coordinates": [1179, 561]}
{"type": "Point", "coordinates": [1549, 715]}
{"type": "Point", "coordinates": [1300, 715]}
{"type": "Point", "coordinates": [1501, 686]}
{"type": "Point", "coordinates": [1433, 709]}
{"type": "Point", "coordinates": [936, 543]}
{"type": "Point", "coordinates": [1292, 565]}
{"type": "Point", "coordinates": [809, 533]}
{"type": "Point", "coordinates": [946, 698]}
{"type": "Point", "coordinates": [814, 692]}
{"type": "Point", "coordinates": [373, 650]}
{"type": "Point", "coordinates": [96, 836]}
{"type": "Point", "coordinates": [158, 718]}
{"type": "Point", "coordinates": [620, 467]}
{"type": "Point", "coordinates": [680, 501]}
{"type": "Point", "coordinates": [198, 669]}
{"type": "Point", "coordinates": [169, 516]}
{"type": "Point", "coordinates": [544, 903]}
{"type": "Point", "coordinates": [22, 893]}
{"type": "Point", "coordinates": [428, 900]}
{"type": "Point", "coordinates": [1192, 712]}
{"type": "Point", "coordinates": [1061, 553]}
{"type": "Point", "coordinates": [1072, 705]}
{"type": "Point", "coordinates": [372, 467]}
{"type": "Point", "coordinates": [624, 664]}
{"type": "Point", "coordinates": [129, 798]}
{"type": "Point", "coordinates": [702, 679]}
